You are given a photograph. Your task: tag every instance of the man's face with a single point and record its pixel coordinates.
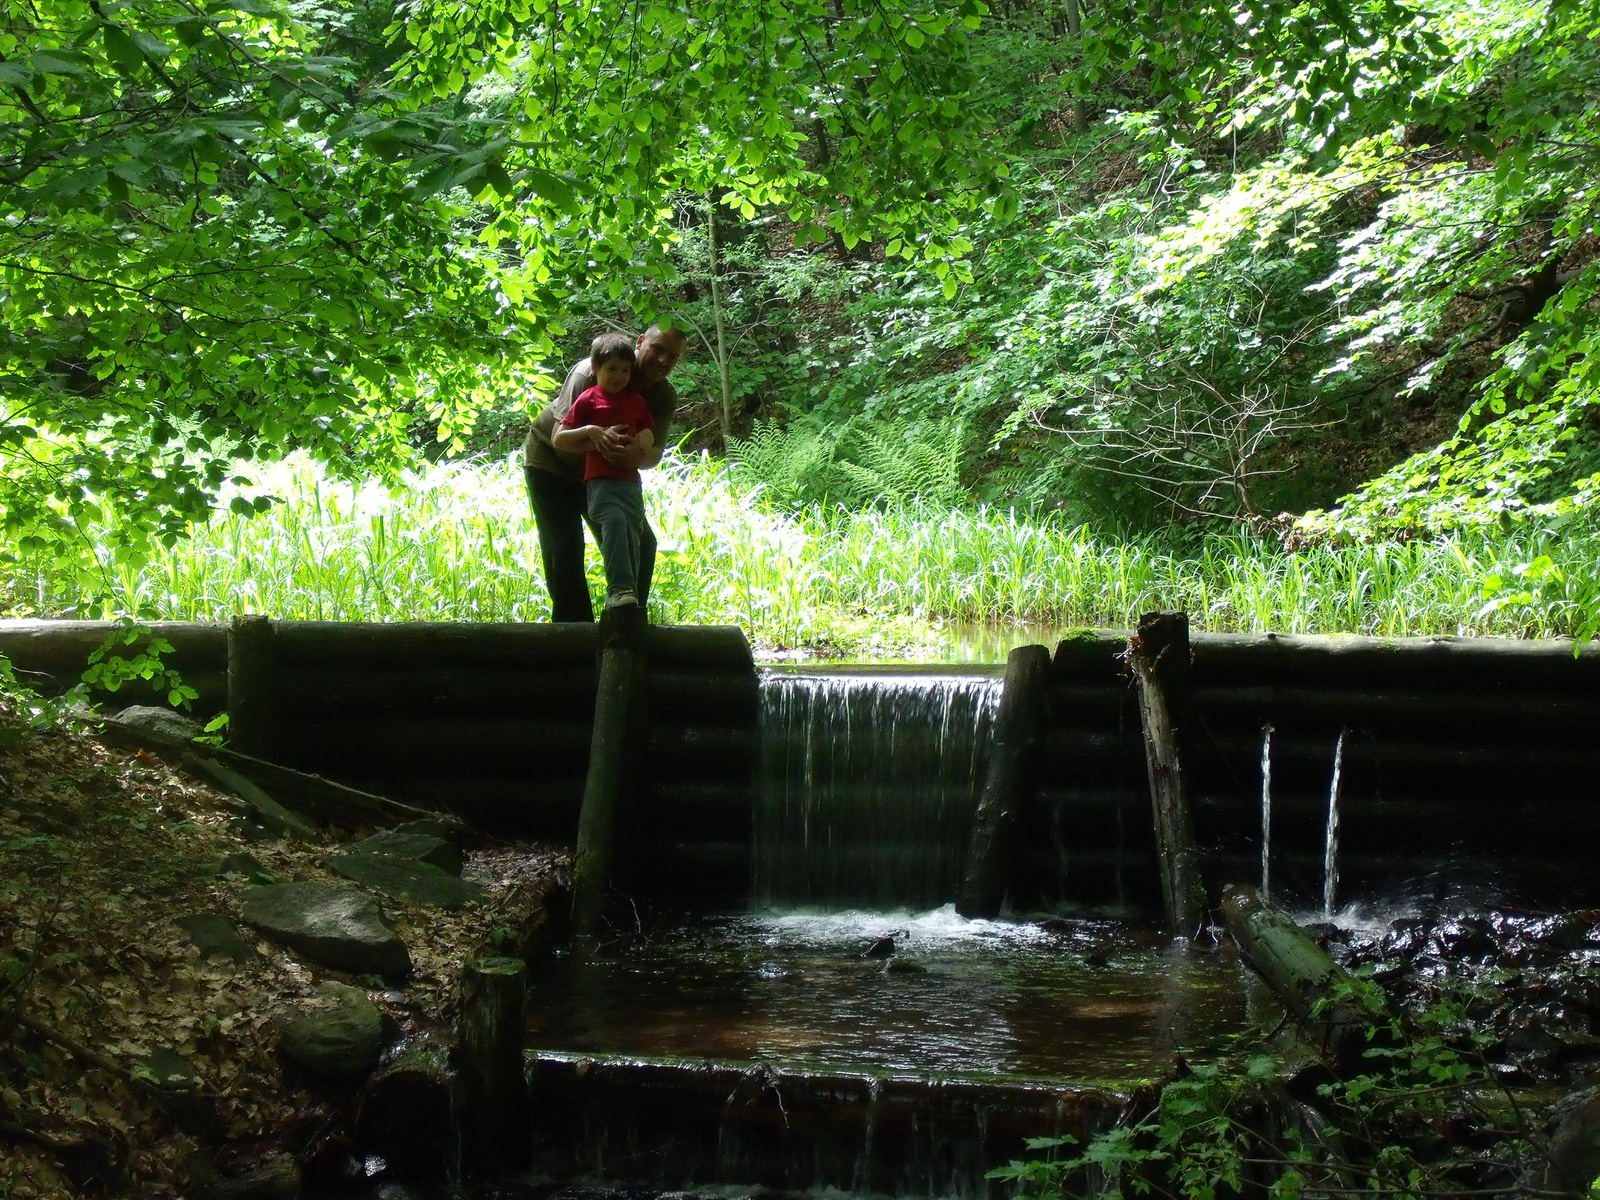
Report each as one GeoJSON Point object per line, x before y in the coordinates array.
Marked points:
{"type": "Point", "coordinates": [657, 353]}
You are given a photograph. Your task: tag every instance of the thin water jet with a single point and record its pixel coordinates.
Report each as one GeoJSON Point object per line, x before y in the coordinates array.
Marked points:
{"type": "Point", "coordinates": [1266, 809]}
{"type": "Point", "coordinates": [1330, 842]}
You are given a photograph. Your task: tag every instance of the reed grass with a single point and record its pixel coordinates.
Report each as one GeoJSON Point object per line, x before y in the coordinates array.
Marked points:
{"type": "Point", "coordinates": [455, 542]}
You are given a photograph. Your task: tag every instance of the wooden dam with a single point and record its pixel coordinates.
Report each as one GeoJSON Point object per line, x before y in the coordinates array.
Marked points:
{"type": "Point", "coordinates": [1448, 750]}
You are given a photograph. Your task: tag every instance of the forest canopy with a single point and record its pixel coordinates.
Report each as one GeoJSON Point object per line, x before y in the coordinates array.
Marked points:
{"type": "Point", "coordinates": [1189, 263]}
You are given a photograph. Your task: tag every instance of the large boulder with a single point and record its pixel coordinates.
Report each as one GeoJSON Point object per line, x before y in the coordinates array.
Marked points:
{"type": "Point", "coordinates": [162, 722]}
{"type": "Point", "coordinates": [338, 1033]}
{"type": "Point", "coordinates": [406, 880]}
{"type": "Point", "coordinates": [413, 847]}
{"type": "Point", "coordinates": [330, 924]}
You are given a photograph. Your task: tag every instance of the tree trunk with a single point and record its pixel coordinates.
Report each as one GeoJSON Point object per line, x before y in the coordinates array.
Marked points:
{"type": "Point", "coordinates": [717, 310]}
{"type": "Point", "coordinates": [1080, 107]}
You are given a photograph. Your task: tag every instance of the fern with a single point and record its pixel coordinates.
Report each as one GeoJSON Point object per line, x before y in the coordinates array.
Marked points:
{"type": "Point", "coordinates": [861, 463]}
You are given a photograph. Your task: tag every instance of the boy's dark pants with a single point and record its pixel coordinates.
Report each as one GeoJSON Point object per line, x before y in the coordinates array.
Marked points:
{"type": "Point", "coordinates": [616, 507]}
{"type": "Point", "coordinates": [559, 513]}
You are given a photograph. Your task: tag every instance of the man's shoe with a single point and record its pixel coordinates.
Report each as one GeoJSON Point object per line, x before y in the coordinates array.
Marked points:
{"type": "Point", "coordinates": [621, 599]}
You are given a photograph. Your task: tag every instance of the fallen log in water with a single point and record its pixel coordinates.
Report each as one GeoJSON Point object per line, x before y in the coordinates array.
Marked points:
{"type": "Point", "coordinates": [1317, 992]}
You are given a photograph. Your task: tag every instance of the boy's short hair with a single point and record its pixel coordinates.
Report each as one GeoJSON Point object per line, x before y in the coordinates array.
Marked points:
{"type": "Point", "coordinates": [609, 347]}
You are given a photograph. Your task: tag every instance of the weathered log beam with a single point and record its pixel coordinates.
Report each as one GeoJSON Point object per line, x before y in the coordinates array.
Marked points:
{"type": "Point", "coordinates": [1017, 726]}
{"type": "Point", "coordinates": [616, 724]}
{"type": "Point", "coordinates": [1361, 662]}
{"type": "Point", "coordinates": [1316, 990]}
{"type": "Point", "coordinates": [1159, 657]}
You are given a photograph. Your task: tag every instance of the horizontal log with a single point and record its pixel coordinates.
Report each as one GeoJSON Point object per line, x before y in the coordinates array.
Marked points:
{"type": "Point", "coordinates": [548, 807]}
{"type": "Point", "coordinates": [60, 646]}
{"type": "Point", "coordinates": [417, 644]}
{"type": "Point", "coordinates": [450, 689]}
{"type": "Point", "coordinates": [503, 643]}
{"type": "Point", "coordinates": [722, 697]}
{"type": "Point", "coordinates": [1401, 713]}
{"type": "Point", "coordinates": [439, 745]}
{"type": "Point", "coordinates": [1094, 706]}
{"type": "Point", "coordinates": [1257, 659]}
{"type": "Point", "coordinates": [499, 745]}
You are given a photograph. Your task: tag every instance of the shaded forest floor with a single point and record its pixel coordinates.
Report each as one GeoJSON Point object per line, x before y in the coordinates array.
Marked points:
{"type": "Point", "coordinates": [101, 850]}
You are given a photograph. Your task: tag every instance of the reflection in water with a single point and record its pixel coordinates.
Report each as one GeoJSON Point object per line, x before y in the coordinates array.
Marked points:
{"type": "Point", "coordinates": [1080, 1000]}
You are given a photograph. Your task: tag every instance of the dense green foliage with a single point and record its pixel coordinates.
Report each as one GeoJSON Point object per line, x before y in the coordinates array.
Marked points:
{"type": "Point", "coordinates": [455, 543]}
{"type": "Point", "coordinates": [1189, 265]}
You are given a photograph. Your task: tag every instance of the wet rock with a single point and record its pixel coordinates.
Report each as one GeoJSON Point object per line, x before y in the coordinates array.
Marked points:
{"type": "Point", "coordinates": [248, 867]}
{"type": "Point", "coordinates": [328, 923]}
{"type": "Point", "coordinates": [885, 945]}
{"type": "Point", "coordinates": [413, 847]}
{"type": "Point", "coordinates": [276, 1179]}
{"type": "Point", "coordinates": [405, 880]}
{"type": "Point", "coordinates": [903, 966]}
{"type": "Point", "coordinates": [1561, 934]}
{"type": "Point", "coordinates": [162, 722]}
{"type": "Point", "coordinates": [338, 1034]}
{"type": "Point", "coordinates": [1462, 938]}
{"type": "Point", "coordinates": [1406, 938]}
{"type": "Point", "coordinates": [215, 936]}
{"type": "Point", "coordinates": [1573, 1160]}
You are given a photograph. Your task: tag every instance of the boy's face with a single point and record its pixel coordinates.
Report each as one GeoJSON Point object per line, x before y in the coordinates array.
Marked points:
{"type": "Point", "coordinates": [612, 375]}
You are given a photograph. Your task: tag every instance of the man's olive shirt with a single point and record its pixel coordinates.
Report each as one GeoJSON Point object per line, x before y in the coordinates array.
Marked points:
{"type": "Point", "coordinates": [539, 454]}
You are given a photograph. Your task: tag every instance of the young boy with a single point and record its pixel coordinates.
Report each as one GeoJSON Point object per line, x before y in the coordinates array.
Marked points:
{"type": "Point", "coordinates": [599, 418]}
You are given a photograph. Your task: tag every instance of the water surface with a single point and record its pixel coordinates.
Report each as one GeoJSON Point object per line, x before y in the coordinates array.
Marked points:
{"type": "Point", "coordinates": [1081, 1000]}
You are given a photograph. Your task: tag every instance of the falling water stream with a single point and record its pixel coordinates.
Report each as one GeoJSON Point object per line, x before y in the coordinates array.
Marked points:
{"type": "Point", "coordinates": [1330, 841]}
{"type": "Point", "coordinates": [867, 787]}
{"type": "Point", "coordinates": [1266, 811]}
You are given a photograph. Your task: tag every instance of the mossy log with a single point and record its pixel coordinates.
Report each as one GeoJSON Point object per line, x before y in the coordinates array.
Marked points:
{"type": "Point", "coordinates": [1315, 989]}
{"type": "Point", "coordinates": [494, 1087]}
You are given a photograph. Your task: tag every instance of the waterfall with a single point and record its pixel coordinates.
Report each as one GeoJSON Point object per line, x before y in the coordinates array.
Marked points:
{"type": "Point", "coordinates": [867, 787]}
{"type": "Point", "coordinates": [1330, 843]}
{"type": "Point", "coordinates": [1266, 809]}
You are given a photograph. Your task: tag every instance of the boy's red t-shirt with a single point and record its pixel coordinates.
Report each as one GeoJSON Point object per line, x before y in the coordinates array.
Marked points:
{"type": "Point", "coordinates": [594, 407]}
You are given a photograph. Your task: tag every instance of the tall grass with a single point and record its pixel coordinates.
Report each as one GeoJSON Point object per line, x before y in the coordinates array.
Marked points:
{"type": "Point", "coordinates": [455, 542]}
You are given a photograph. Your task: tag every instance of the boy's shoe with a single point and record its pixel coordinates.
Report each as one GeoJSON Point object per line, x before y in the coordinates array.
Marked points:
{"type": "Point", "coordinates": [621, 599]}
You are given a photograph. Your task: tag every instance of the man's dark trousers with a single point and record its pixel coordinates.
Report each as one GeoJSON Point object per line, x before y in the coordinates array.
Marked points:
{"type": "Point", "coordinates": [559, 513]}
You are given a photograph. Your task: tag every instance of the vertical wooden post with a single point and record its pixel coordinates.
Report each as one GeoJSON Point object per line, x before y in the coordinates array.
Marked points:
{"type": "Point", "coordinates": [1159, 656]}
{"type": "Point", "coordinates": [252, 703]}
{"type": "Point", "coordinates": [1023, 701]}
{"type": "Point", "coordinates": [494, 1113]}
{"type": "Point", "coordinates": [616, 729]}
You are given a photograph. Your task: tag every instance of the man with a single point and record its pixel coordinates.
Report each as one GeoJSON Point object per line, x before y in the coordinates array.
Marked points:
{"type": "Point", "coordinates": [555, 480]}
